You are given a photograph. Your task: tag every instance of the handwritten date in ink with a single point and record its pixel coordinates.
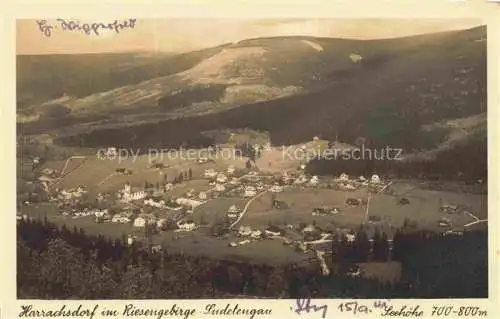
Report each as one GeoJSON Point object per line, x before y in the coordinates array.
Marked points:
{"type": "Point", "coordinates": [356, 308]}
{"type": "Point", "coordinates": [46, 28]}
{"type": "Point", "coordinates": [305, 306]}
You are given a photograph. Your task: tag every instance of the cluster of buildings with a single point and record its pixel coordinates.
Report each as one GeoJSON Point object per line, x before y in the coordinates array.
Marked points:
{"type": "Point", "coordinates": [325, 211]}
{"type": "Point", "coordinates": [66, 195]}
{"type": "Point", "coordinates": [248, 234]}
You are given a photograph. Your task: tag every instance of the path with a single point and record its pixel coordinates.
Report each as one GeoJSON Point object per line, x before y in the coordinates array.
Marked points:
{"type": "Point", "coordinates": [63, 176]}
{"type": "Point", "coordinates": [385, 187]}
{"type": "Point", "coordinates": [246, 207]}
{"type": "Point", "coordinates": [368, 200]}
{"type": "Point", "coordinates": [476, 222]}
{"type": "Point", "coordinates": [471, 215]}
{"type": "Point", "coordinates": [324, 268]}
{"type": "Point", "coordinates": [106, 178]}
{"type": "Point", "coordinates": [67, 162]}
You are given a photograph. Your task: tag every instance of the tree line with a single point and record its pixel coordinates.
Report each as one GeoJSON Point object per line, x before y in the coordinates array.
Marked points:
{"type": "Point", "coordinates": [58, 263]}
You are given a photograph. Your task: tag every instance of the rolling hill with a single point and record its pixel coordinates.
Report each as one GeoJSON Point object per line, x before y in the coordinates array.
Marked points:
{"type": "Point", "coordinates": [390, 92]}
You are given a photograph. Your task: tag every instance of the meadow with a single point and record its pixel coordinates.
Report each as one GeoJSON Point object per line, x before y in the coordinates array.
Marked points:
{"type": "Point", "coordinates": [424, 209]}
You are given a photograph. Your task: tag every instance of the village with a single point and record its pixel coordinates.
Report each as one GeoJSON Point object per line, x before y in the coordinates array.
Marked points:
{"type": "Point", "coordinates": [245, 199]}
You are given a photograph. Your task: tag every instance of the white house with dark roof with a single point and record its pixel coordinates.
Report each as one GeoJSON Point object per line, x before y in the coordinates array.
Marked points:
{"type": "Point", "coordinates": [276, 188]}
{"type": "Point", "coordinates": [344, 177]}
{"type": "Point", "coordinates": [250, 191]}
{"type": "Point", "coordinates": [375, 179]}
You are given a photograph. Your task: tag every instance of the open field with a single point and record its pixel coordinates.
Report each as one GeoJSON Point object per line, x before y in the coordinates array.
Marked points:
{"type": "Point", "coordinates": [100, 174]}
{"type": "Point", "coordinates": [216, 209]}
{"type": "Point", "coordinates": [195, 243]}
{"type": "Point", "coordinates": [423, 208]}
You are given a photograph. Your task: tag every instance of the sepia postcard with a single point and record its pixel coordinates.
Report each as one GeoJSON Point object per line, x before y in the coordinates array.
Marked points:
{"type": "Point", "coordinates": [252, 167]}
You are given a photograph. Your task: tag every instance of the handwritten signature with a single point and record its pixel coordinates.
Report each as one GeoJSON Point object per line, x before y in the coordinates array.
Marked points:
{"type": "Point", "coordinates": [304, 305]}
{"type": "Point", "coordinates": [116, 26]}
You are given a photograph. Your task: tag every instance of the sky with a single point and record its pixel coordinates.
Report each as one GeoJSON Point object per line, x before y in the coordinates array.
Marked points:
{"type": "Point", "coordinates": [181, 35]}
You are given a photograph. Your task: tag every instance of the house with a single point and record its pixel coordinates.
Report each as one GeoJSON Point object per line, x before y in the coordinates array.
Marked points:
{"type": "Point", "coordinates": [314, 180]}
{"type": "Point", "coordinates": [350, 238]}
{"type": "Point", "coordinates": [220, 188]}
{"type": "Point", "coordinates": [210, 173]}
{"type": "Point", "coordinates": [245, 231]}
{"type": "Point", "coordinates": [319, 211]}
{"type": "Point", "coordinates": [233, 215]}
{"type": "Point", "coordinates": [231, 169]}
{"type": "Point", "coordinates": [362, 178]}
{"type": "Point", "coordinates": [347, 186]}
{"type": "Point", "coordinates": [100, 213]}
{"type": "Point", "coordinates": [352, 202]}
{"type": "Point", "coordinates": [168, 187]}
{"type": "Point", "coordinates": [186, 225]}
{"type": "Point", "coordinates": [49, 172]}
{"type": "Point", "coordinates": [354, 272]}
{"type": "Point", "coordinates": [154, 203]}
{"type": "Point", "coordinates": [453, 233]}
{"type": "Point", "coordinates": [188, 202]}
{"type": "Point", "coordinates": [273, 231]}
{"type": "Point", "coordinates": [308, 229]}
{"type": "Point", "coordinates": [203, 160]}
{"type": "Point", "coordinates": [233, 212]}
{"type": "Point", "coordinates": [202, 195]}
{"type": "Point", "coordinates": [448, 208]}
{"type": "Point", "coordinates": [190, 193]}
{"type": "Point", "coordinates": [161, 223]}
{"type": "Point", "coordinates": [130, 239]}
{"type": "Point", "coordinates": [250, 191]}
{"type": "Point", "coordinates": [344, 177]}
{"type": "Point", "coordinates": [233, 209]}
{"type": "Point", "coordinates": [221, 178]}
{"type": "Point", "coordinates": [375, 179]}
{"type": "Point", "coordinates": [444, 222]}
{"type": "Point", "coordinates": [140, 222]}
{"type": "Point", "coordinates": [334, 211]}
{"type": "Point", "coordinates": [279, 204]}
{"type": "Point", "coordinates": [373, 219]}
{"type": "Point", "coordinates": [244, 242]}
{"type": "Point", "coordinates": [232, 244]}
{"type": "Point", "coordinates": [44, 178]}
{"type": "Point", "coordinates": [276, 188]}
{"type": "Point", "coordinates": [128, 194]}
{"type": "Point", "coordinates": [156, 248]}
{"type": "Point", "coordinates": [301, 180]}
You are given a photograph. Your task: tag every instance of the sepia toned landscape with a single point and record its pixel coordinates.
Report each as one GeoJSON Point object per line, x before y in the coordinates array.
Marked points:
{"type": "Point", "coordinates": [279, 166]}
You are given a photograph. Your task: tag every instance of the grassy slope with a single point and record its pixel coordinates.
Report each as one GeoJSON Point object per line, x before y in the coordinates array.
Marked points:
{"type": "Point", "coordinates": [45, 77]}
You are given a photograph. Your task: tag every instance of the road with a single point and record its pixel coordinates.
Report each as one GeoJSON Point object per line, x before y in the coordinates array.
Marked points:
{"type": "Point", "coordinates": [246, 208]}
{"type": "Point", "coordinates": [476, 222]}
